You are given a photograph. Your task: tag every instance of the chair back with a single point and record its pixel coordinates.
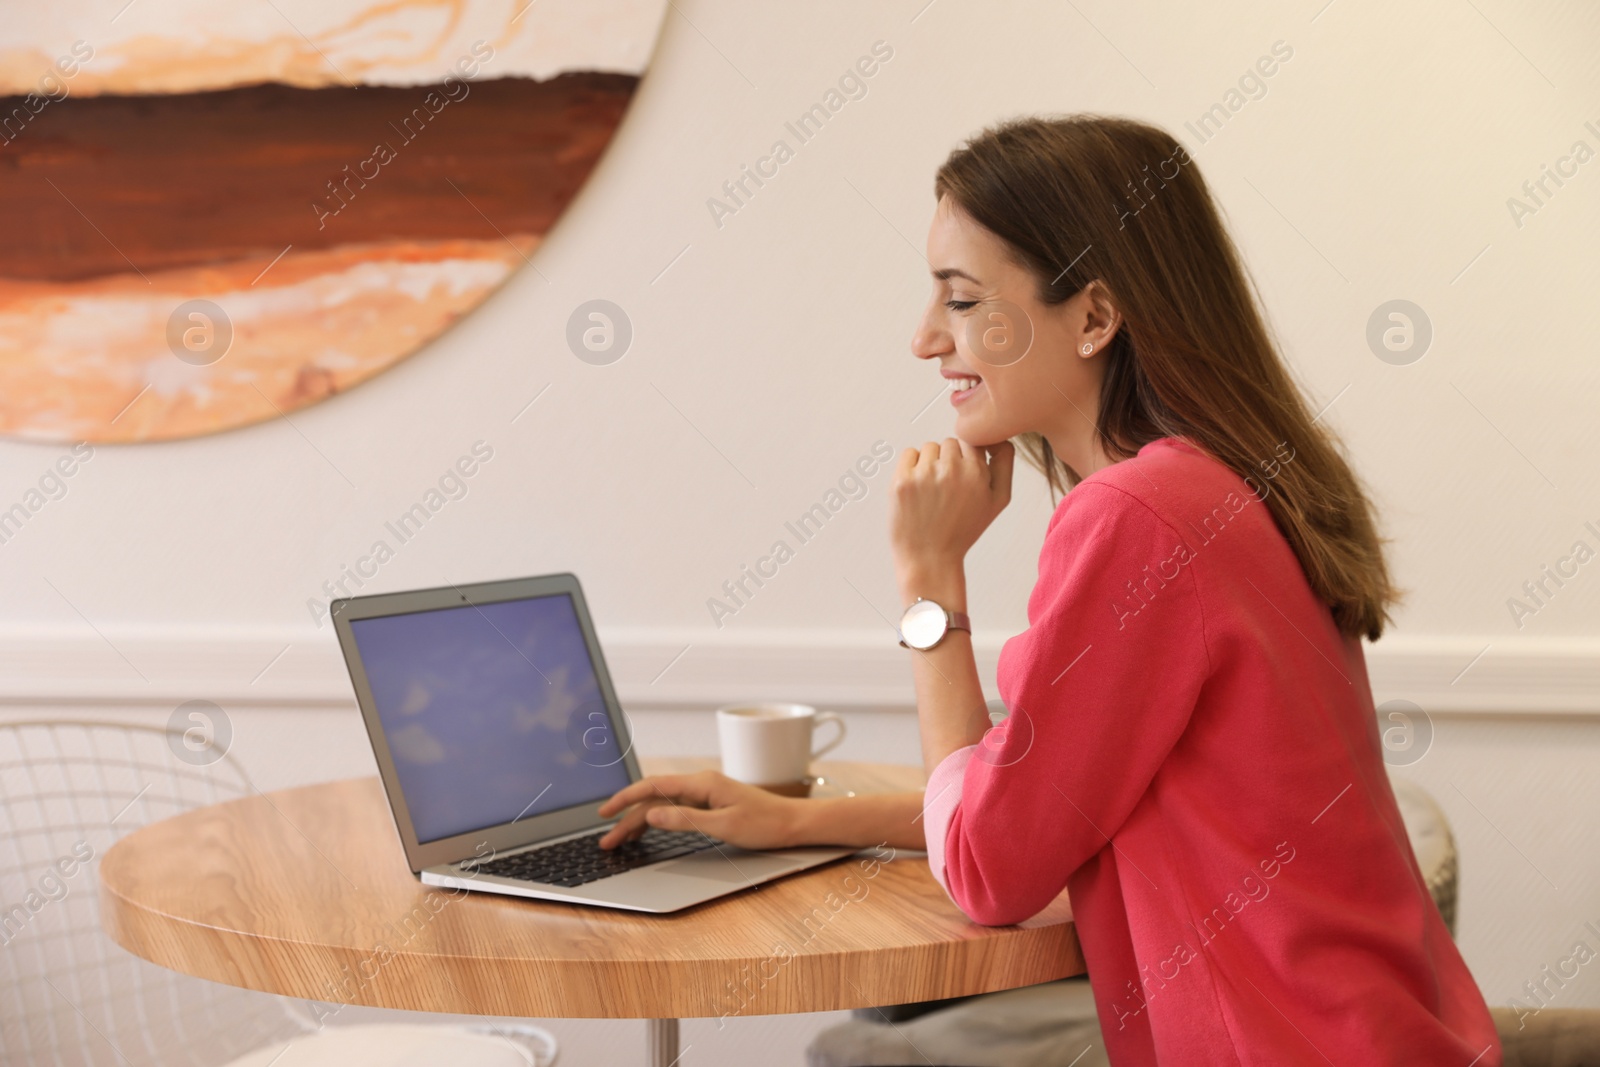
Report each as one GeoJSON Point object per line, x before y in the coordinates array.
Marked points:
{"type": "Point", "coordinates": [69, 995]}
{"type": "Point", "coordinates": [1432, 842]}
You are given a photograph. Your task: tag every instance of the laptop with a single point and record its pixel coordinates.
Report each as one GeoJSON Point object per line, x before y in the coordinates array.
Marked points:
{"type": "Point", "coordinates": [498, 734]}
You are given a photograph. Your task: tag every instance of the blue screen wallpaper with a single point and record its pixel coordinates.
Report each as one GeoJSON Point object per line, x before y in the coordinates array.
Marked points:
{"type": "Point", "coordinates": [492, 713]}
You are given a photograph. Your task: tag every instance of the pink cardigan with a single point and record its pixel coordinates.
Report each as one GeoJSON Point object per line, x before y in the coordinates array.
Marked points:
{"type": "Point", "coordinates": [1193, 753]}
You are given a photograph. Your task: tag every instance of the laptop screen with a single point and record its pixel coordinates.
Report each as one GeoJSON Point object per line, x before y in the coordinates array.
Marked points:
{"type": "Point", "coordinates": [492, 713]}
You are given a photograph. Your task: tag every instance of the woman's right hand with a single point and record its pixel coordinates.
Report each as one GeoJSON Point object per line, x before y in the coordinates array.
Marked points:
{"type": "Point", "coordinates": [745, 816]}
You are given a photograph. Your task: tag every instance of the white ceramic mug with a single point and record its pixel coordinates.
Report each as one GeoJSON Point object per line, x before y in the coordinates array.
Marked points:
{"type": "Point", "coordinates": [771, 744]}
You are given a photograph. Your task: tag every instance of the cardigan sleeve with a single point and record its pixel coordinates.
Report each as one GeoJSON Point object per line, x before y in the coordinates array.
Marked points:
{"type": "Point", "coordinates": [939, 804]}
{"type": "Point", "coordinates": [1099, 689]}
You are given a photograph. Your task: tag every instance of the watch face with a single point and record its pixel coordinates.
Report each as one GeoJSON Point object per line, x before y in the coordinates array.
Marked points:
{"type": "Point", "coordinates": [923, 624]}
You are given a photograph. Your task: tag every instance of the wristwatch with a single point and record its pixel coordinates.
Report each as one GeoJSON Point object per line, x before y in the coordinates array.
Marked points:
{"type": "Point", "coordinates": [925, 623]}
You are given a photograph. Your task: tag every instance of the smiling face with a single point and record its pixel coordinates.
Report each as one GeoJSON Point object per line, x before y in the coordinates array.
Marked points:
{"type": "Point", "coordinates": [1017, 365]}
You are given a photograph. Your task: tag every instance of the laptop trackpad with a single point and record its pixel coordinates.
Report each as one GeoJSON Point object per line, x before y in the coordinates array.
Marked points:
{"type": "Point", "coordinates": [733, 868]}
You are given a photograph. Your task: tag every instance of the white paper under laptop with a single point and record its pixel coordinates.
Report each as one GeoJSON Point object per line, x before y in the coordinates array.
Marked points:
{"type": "Point", "coordinates": [497, 734]}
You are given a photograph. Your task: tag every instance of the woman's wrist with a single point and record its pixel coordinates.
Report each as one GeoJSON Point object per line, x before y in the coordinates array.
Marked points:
{"type": "Point", "coordinates": [856, 821]}
{"type": "Point", "coordinates": [807, 822]}
{"type": "Point", "coordinates": [944, 582]}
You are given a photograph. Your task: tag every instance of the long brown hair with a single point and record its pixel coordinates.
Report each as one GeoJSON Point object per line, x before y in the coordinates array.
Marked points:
{"type": "Point", "coordinates": [1087, 197]}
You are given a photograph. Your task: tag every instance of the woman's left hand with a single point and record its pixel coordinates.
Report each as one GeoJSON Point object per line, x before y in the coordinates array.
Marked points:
{"type": "Point", "coordinates": [943, 497]}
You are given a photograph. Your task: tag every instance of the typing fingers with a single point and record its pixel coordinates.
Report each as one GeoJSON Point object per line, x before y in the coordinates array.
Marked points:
{"type": "Point", "coordinates": [670, 786]}
{"type": "Point", "coordinates": [632, 824]}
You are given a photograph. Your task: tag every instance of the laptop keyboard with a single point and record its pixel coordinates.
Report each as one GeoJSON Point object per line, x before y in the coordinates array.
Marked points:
{"type": "Point", "coordinates": [580, 860]}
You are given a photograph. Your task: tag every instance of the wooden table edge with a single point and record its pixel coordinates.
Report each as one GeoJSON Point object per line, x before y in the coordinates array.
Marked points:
{"type": "Point", "coordinates": [456, 982]}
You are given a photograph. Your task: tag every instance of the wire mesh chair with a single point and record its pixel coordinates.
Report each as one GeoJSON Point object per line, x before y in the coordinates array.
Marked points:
{"type": "Point", "coordinates": [68, 792]}
{"type": "Point", "coordinates": [69, 995]}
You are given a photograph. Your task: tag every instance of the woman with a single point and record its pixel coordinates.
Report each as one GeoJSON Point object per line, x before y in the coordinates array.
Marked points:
{"type": "Point", "coordinates": [1191, 747]}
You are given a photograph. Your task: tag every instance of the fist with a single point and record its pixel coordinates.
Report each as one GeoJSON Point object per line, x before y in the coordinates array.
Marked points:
{"type": "Point", "coordinates": [943, 497]}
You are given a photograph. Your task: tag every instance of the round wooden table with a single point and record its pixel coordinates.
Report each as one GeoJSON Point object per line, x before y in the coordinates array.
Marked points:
{"type": "Point", "coordinates": [306, 893]}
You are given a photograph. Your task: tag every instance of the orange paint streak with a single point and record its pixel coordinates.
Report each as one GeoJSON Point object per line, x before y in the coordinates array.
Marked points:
{"type": "Point", "coordinates": [89, 360]}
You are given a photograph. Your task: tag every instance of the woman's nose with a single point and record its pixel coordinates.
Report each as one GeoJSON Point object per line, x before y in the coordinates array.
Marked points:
{"type": "Point", "coordinates": [929, 341]}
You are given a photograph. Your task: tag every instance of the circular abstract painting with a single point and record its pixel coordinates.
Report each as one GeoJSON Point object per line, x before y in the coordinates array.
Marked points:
{"type": "Point", "coordinates": [214, 214]}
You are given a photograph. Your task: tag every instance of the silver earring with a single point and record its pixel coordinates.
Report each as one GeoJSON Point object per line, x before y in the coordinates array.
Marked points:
{"type": "Point", "coordinates": [1087, 347]}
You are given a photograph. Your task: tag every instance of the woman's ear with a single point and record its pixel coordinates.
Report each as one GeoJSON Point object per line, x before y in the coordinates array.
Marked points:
{"type": "Point", "coordinates": [1100, 319]}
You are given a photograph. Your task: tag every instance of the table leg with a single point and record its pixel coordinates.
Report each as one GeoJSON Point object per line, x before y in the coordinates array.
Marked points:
{"type": "Point", "coordinates": [661, 1041]}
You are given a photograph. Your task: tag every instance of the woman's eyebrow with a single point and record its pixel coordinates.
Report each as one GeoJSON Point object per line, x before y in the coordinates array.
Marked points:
{"type": "Point", "coordinates": [946, 273]}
